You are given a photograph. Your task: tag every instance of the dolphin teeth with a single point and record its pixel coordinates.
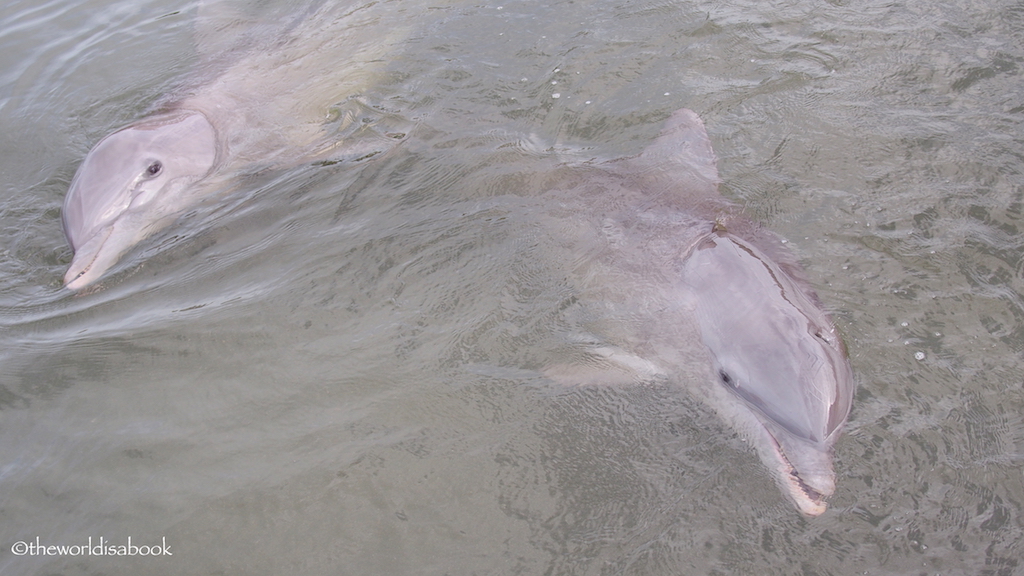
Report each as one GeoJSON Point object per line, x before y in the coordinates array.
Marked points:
{"type": "Point", "coordinates": [811, 493]}
{"type": "Point", "coordinates": [808, 500]}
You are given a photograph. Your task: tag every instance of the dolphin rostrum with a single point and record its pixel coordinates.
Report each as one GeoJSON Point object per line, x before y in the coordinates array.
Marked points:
{"type": "Point", "coordinates": [269, 106]}
{"type": "Point", "coordinates": [773, 364]}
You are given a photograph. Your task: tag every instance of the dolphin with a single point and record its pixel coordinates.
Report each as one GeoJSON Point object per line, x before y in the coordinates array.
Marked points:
{"type": "Point", "coordinates": [130, 184]}
{"type": "Point", "coordinates": [278, 99]}
{"type": "Point", "coordinates": [702, 285]}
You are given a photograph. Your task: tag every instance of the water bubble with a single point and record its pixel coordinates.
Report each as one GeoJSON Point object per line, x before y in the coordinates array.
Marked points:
{"type": "Point", "coordinates": [919, 355]}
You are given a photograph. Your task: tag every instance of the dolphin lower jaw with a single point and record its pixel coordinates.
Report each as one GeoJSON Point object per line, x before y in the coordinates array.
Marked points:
{"type": "Point", "coordinates": [103, 250]}
{"type": "Point", "coordinates": [89, 261]}
{"type": "Point", "coordinates": [808, 485]}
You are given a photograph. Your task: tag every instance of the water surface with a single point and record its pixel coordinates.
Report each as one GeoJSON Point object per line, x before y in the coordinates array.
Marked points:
{"type": "Point", "coordinates": [337, 367]}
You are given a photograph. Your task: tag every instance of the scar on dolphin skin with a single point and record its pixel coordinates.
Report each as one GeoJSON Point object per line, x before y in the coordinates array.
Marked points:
{"type": "Point", "coordinates": [776, 368]}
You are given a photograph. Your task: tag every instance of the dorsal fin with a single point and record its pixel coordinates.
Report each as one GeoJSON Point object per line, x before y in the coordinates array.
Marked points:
{"type": "Point", "coordinates": [682, 153]}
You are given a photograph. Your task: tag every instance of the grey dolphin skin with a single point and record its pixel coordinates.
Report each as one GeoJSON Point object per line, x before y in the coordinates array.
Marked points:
{"type": "Point", "coordinates": [773, 365]}
{"type": "Point", "coordinates": [130, 184]}
{"type": "Point", "coordinates": [267, 105]}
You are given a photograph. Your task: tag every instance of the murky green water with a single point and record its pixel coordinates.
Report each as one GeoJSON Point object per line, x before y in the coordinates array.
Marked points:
{"type": "Point", "coordinates": [337, 368]}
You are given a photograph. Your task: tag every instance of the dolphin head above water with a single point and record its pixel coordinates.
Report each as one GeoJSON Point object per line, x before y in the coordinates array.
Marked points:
{"type": "Point", "coordinates": [724, 308]}
{"type": "Point", "coordinates": [129, 184]}
{"type": "Point", "coordinates": [773, 347]}
{"type": "Point", "coordinates": [780, 369]}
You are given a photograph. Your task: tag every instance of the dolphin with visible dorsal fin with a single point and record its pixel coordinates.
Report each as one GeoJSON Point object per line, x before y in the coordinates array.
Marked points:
{"type": "Point", "coordinates": [682, 258]}
{"type": "Point", "coordinates": [282, 80]}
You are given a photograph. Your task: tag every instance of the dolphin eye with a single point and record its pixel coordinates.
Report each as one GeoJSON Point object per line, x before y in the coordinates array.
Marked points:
{"type": "Point", "coordinates": [155, 168]}
{"type": "Point", "coordinates": [727, 379]}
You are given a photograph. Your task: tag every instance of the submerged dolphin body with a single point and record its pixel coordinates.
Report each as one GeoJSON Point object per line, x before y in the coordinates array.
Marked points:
{"type": "Point", "coordinates": [272, 105]}
{"type": "Point", "coordinates": [669, 244]}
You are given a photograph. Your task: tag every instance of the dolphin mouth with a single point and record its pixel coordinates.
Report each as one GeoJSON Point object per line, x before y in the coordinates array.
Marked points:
{"type": "Point", "coordinates": [809, 501]}
{"type": "Point", "coordinates": [85, 266]}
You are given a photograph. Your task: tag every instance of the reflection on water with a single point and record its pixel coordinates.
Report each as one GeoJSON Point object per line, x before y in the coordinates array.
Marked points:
{"type": "Point", "coordinates": [338, 365]}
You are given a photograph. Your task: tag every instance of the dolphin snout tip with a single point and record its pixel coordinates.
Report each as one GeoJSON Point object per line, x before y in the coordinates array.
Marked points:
{"type": "Point", "coordinates": [810, 507]}
{"type": "Point", "coordinates": [809, 493]}
{"type": "Point", "coordinates": [89, 263]}
{"type": "Point", "coordinates": [78, 277]}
